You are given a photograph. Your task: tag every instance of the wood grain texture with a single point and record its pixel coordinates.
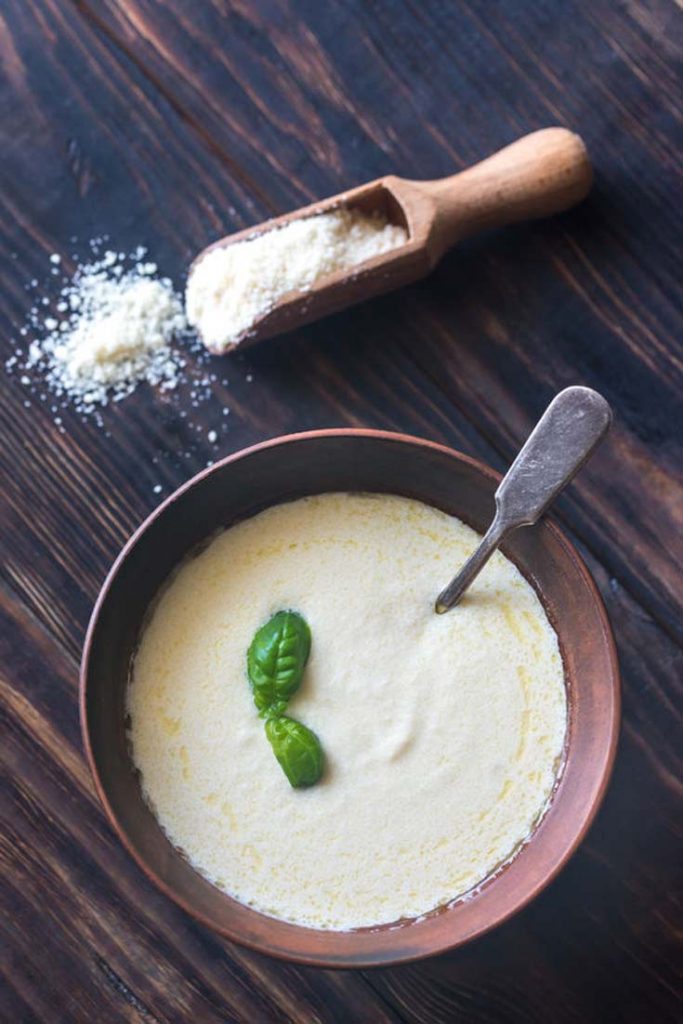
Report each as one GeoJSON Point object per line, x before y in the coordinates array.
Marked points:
{"type": "Point", "coordinates": [173, 123]}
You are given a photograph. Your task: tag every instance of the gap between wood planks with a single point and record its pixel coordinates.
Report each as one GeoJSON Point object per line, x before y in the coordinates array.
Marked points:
{"type": "Point", "coordinates": [120, 987]}
{"type": "Point", "coordinates": [247, 184]}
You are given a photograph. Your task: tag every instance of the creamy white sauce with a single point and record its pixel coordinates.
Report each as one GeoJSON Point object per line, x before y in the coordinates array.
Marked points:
{"type": "Point", "coordinates": [442, 733]}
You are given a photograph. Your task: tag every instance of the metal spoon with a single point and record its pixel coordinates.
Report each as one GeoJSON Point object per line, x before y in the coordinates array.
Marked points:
{"type": "Point", "coordinates": [563, 439]}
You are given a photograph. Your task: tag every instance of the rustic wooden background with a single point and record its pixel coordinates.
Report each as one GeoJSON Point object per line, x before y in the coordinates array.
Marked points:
{"type": "Point", "coordinates": [170, 123]}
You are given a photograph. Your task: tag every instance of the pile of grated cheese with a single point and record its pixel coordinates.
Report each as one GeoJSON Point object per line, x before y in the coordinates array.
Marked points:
{"type": "Point", "coordinates": [234, 286]}
{"type": "Point", "coordinates": [110, 330]}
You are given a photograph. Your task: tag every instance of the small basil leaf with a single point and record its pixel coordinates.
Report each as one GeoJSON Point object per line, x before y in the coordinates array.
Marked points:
{"type": "Point", "coordinates": [297, 749]}
{"type": "Point", "coordinates": [276, 660]}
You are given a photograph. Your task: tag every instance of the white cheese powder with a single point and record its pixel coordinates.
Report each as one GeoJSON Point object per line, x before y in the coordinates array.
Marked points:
{"type": "Point", "coordinates": [111, 329]}
{"type": "Point", "coordinates": [234, 286]}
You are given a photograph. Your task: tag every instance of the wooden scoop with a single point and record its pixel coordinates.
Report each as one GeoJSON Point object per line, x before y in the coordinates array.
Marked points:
{"type": "Point", "coordinates": [540, 174]}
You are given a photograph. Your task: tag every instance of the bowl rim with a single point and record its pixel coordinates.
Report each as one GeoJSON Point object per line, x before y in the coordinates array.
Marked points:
{"type": "Point", "coordinates": [496, 918]}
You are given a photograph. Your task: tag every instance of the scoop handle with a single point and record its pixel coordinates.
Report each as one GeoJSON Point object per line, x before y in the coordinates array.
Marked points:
{"type": "Point", "coordinates": [540, 174]}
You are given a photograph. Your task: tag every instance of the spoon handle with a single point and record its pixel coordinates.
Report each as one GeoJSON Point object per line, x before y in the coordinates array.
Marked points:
{"type": "Point", "coordinates": [563, 439]}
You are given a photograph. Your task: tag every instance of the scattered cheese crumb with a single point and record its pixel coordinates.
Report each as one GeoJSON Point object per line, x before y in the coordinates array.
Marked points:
{"type": "Point", "coordinates": [212, 436]}
{"type": "Point", "coordinates": [235, 286]}
{"type": "Point", "coordinates": [111, 330]}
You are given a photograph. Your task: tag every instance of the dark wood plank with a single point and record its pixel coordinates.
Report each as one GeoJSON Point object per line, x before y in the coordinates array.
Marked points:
{"type": "Point", "coordinates": [170, 123]}
{"type": "Point", "coordinates": [577, 285]}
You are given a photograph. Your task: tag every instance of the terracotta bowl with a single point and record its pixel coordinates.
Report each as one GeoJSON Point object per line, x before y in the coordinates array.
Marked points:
{"type": "Point", "coordinates": [350, 460]}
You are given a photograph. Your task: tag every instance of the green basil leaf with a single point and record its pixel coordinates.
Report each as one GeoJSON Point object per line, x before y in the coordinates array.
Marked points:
{"type": "Point", "coordinates": [276, 660]}
{"type": "Point", "coordinates": [297, 749]}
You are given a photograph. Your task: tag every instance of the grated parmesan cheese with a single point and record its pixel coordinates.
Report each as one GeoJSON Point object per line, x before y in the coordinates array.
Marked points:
{"type": "Point", "coordinates": [234, 286]}
{"type": "Point", "coordinates": [111, 330]}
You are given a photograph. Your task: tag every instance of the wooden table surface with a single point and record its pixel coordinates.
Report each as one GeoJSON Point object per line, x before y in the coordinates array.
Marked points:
{"type": "Point", "coordinates": [171, 123]}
